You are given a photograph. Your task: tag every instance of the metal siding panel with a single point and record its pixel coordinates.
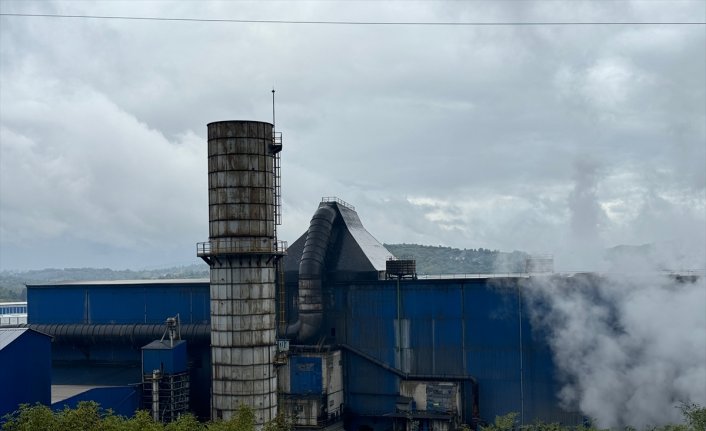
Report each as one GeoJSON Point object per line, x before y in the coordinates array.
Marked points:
{"type": "Point", "coordinates": [25, 366]}
{"type": "Point", "coordinates": [448, 347]}
{"type": "Point", "coordinates": [369, 404]}
{"type": "Point", "coordinates": [454, 324]}
{"type": "Point", "coordinates": [170, 361]}
{"type": "Point", "coordinates": [117, 304]}
{"type": "Point", "coordinates": [421, 343]}
{"type": "Point", "coordinates": [167, 301]}
{"type": "Point", "coordinates": [370, 390]}
{"type": "Point", "coordinates": [47, 305]}
{"type": "Point", "coordinates": [363, 376]}
{"type": "Point", "coordinates": [305, 375]}
{"type": "Point", "coordinates": [498, 397]}
{"type": "Point", "coordinates": [123, 400]}
{"type": "Point", "coordinates": [200, 304]}
{"type": "Point", "coordinates": [373, 328]}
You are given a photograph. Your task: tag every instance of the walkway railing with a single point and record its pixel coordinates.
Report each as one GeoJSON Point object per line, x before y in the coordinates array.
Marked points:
{"type": "Point", "coordinates": [338, 201]}
{"type": "Point", "coordinates": [240, 246]}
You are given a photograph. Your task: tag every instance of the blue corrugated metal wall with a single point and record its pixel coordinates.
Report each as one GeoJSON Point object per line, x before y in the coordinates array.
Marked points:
{"type": "Point", "coordinates": [457, 328]}
{"type": "Point", "coordinates": [157, 355]}
{"type": "Point", "coordinates": [123, 303]}
{"type": "Point", "coordinates": [25, 371]}
{"type": "Point", "coordinates": [305, 375]}
{"type": "Point", "coordinates": [122, 400]}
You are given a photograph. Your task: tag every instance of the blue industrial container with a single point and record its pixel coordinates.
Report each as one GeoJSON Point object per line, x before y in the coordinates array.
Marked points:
{"type": "Point", "coordinates": [165, 356]}
{"type": "Point", "coordinates": [305, 375]}
{"type": "Point", "coordinates": [25, 368]}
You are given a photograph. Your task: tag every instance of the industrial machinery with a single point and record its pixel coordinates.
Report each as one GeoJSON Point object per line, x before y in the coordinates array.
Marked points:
{"type": "Point", "coordinates": [165, 375]}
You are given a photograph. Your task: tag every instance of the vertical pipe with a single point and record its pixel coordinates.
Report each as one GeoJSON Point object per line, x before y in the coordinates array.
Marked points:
{"type": "Point", "coordinates": [399, 323]}
{"type": "Point", "coordinates": [433, 345]}
{"type": "Point", "coordinates": [156, 376]}
{"type": "Point", "coordinates": [522, 386]}
{"type": "Point", "coordinates": [273, 110]}
{"type": "Point", "coordinates": [282, 299]}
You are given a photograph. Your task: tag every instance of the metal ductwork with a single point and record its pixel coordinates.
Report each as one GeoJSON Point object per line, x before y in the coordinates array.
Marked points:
{"type": "Point", "coordinates": [311, 270]}
{"type": "Point", "coordinates": [132, 334]}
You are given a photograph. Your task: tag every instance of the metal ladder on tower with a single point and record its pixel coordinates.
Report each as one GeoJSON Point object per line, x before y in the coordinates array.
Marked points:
{"type": "Point", "coordinates": [277, 186]}
{"type": "Point", "coordinates": [282, 298]}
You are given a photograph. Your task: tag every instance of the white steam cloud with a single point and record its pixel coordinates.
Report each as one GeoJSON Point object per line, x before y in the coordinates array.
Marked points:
{"type": "Point", "coordinates": [629, 348]}
{"type": "Point", "coordinates": [586, 212]}
{"type": "Point", "coordinates": [629, 343]}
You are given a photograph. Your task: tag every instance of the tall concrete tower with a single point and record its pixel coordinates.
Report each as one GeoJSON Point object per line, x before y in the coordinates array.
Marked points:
{"type": "Point", "coordinates": [242, 251]}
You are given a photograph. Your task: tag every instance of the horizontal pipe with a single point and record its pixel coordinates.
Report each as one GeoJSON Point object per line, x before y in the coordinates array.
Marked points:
{"type": "Point", "coordinates": [79, 333]}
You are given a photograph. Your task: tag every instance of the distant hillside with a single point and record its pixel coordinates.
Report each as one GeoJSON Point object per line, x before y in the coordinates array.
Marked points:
{"type": "Point", "coordinates": [430, 260]}
{"type": "Point", "coordinates": [12, 283]}
{"type": "Point", "coordinates": [447, 260]}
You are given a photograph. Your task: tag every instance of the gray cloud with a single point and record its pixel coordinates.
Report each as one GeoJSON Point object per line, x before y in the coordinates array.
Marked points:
{"type": "Point", "coordinates": [463, 136]}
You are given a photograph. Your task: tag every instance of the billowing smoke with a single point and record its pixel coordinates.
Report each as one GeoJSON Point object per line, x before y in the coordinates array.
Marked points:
{"type": "Point", "coordinates": [630, 342]}
{"type": "Point", "coordinates": [586, 213]}
{"type": "Point", "coordinates": [630, 348]}
{"type": "Point", "coordinates": [582, 245]}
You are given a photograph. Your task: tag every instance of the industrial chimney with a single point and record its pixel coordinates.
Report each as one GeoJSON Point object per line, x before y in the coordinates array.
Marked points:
{"type": "Point", "coordinates": [242, 251]}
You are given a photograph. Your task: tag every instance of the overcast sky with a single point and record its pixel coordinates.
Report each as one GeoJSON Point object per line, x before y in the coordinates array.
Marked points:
{"type": "Point", "coordinates": [547, 139]}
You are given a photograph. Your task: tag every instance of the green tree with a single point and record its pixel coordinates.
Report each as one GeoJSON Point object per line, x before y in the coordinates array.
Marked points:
{"type": "Point", "coordinates": [502, 423]}
{"type": "Point", "coordinates": [279, 423]}
{"type": "Point", "coordinates": [243, 420]}
{"type": "Point", "coordinates": [142, 421]}
{"type": "Point", "coordinates": [186, 422]}
{"type": "Point", "coordinates": [30, 418]}
{"type": "Point", "coordinates": [694, 416]}
{"type": "Point", "coordinates": [85, 417]}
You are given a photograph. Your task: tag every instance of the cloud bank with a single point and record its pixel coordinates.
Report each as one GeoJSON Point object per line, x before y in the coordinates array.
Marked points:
{"type": "Point", "coordinates": [461, 136]}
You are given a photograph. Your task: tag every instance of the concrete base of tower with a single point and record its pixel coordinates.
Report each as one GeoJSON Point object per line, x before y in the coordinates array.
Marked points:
{"type": "Point", "coordinates": [243, 345]}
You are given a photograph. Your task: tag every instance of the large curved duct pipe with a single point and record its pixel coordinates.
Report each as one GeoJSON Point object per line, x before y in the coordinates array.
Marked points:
{"type": "Point", "coordinates": [133, 334]}
{"type": "Point", "coordinates": [311, 269]}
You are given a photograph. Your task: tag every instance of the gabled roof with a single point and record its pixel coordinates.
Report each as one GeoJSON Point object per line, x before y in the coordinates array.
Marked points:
{"type": "Point", "coordinates": [162, 345]}
{"type": "Point", "coordinates": [9, 335]}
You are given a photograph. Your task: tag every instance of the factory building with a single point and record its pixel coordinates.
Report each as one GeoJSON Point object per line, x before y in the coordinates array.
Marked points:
{"type": "Point", "coordinates": [332, 331]}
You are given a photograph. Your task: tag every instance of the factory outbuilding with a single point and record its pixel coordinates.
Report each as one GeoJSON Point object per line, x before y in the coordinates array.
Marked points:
{"type": "Point", "coordinates": [25, 368]}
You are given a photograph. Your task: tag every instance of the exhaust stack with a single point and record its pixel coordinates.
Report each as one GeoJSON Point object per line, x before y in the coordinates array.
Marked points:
{"type": "Point", "coordinates": [242, 251]}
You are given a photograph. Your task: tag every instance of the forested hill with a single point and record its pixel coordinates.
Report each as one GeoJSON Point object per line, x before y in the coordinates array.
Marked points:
{"type": "Point", "coordinates": [430, 260]}
{"type": "Point", "coordinates": [12, 283]}
{"type": "Point", "coordinates": [447, 260]}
